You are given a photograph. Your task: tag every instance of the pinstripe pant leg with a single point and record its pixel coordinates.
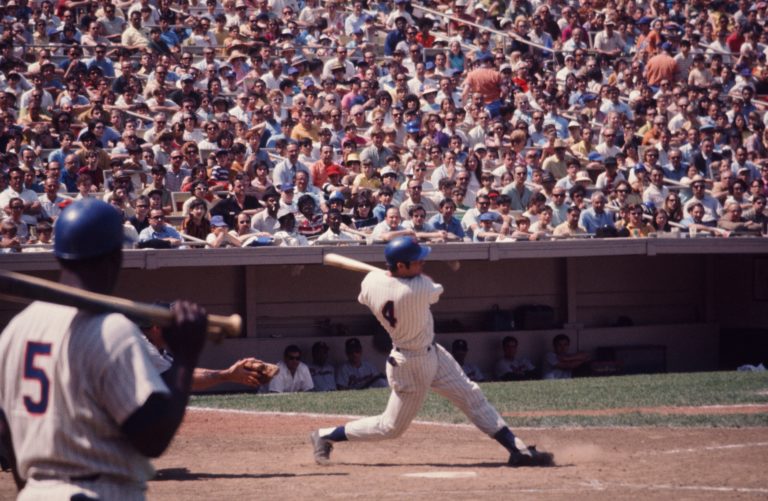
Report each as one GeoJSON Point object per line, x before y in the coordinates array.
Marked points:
{"type": "Point", "coordinates": [453, 384]}
{"type": "Point", "coordinates": [410, 381]}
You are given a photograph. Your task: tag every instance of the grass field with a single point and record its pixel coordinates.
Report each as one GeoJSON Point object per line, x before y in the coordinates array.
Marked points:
{"type": "Point", "coordinates": [621, 394]}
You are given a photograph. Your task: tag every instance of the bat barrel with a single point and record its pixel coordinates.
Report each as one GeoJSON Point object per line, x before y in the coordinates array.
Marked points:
{"type": "Point", "coordinates": [38, 289]}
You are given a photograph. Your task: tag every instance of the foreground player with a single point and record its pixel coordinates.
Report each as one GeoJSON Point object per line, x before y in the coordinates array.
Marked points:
{"type": "Point", "coordinates": [400, 299]}
{"type": "Point", "coordinates": [79, 397]}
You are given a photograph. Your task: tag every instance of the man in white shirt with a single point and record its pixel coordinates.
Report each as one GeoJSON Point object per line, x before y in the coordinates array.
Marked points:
{"type": "Point", "coordinates": [294, 374]}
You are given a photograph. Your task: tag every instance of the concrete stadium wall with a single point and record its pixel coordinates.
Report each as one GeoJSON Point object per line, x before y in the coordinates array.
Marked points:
{"type": "Point", "coordinates": [675, 293]}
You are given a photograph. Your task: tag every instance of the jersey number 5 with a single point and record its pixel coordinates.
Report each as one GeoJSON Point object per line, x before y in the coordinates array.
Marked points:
{"type": "Point", "coordinates": [388, 312]}
{"type": "Point", "coordinates": [32, 372]}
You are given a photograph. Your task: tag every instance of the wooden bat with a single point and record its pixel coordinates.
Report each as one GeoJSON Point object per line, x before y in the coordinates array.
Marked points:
{"type": "Point", "coordinates": [15, 286]}
{"type": "Point", "coordinates": [347, 263]}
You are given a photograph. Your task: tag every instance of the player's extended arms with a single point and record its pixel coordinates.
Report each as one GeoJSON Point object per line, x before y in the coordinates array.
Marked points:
{"type": "Point", "coordinates": [152, 426]}
{"type": "Point", "coordinates": [6, 450]}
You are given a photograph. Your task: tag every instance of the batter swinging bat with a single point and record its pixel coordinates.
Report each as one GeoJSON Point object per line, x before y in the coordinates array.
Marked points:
{"type": "Point", "coordinates": [21, 286]}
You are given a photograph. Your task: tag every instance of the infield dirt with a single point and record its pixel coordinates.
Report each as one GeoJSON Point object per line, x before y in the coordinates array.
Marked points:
{"type": "Point", "coordinates": [231, 455]}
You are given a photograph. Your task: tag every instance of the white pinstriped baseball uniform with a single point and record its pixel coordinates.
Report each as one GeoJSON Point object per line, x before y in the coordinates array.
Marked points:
{"type": "Point", "coordinates": [416, 364]}
{"type": "Point", "coordinates": [68, 380]}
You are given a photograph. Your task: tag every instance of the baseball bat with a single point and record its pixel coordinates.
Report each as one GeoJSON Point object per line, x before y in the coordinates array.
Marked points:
{"type": "Point", "coordinates": [38, 289]}
{"type": "Point", "coordinates": [347, 263]}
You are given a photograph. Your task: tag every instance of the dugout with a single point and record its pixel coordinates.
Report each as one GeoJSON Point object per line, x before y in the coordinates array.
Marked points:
{"type": "Point", "coordinates": [688, 296]}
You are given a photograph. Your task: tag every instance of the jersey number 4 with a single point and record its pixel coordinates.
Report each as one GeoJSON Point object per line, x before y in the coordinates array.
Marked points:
{"type": "Point", "coordinates": [388, 312]}
{"type": "Point", "coordinates": [37, 374]}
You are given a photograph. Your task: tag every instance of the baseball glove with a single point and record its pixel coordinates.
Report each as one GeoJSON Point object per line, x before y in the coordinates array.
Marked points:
{"type": "Point", "coordinates": [264, 371]}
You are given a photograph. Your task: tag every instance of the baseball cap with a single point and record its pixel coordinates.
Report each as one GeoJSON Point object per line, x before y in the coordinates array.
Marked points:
{"type": "Point", "coordinates": [337, 197]}
{"type": "Point", "coordinates": [218, 221]}
{"type": "Point", "coordinates": [286, 187]}
{"type": "Point", "coordinates": [595, 157]}
{"type": "Point", "coordinates": [412, 127]}
{"type": "Point", "coordinates": [352, 345]}
{"type": "Point", "coordinates": [388, 171]}
{"type": "Point", "coordinates": [459, 345]}
{"type": "Point", "coordinates": [282, 212]}
{"type": "Point", "coordinates": [488, 216]}
{"type": "Point", "coordinates": [333, 170]}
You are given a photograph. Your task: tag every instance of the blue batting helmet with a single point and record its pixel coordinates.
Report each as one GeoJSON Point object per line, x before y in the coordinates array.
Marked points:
{"type": "Point", "coordinates": [405, 250]}
{"type": "Point", "coordinates": [88, 228]}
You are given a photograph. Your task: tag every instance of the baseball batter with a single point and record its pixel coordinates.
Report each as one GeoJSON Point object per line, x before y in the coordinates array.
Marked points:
{"type": "Point", "coordinates": [400, 298]}
{"type": "Point", "coordinates": [80, 402]}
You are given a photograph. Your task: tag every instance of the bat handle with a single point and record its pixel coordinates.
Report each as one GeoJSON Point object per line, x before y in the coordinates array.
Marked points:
{"type": "Point", "coordinates": [229, 326]}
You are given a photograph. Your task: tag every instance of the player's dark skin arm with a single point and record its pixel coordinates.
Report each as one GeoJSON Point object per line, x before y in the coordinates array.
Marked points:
{"type": "Point", "coordinates": [6, 448]}
{"type": "Point", "coordinates": [152, 426]}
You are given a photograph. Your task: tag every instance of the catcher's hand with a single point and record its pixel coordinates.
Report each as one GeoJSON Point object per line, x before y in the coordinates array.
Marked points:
{"type": "Point", "coordinates": [257, 371]}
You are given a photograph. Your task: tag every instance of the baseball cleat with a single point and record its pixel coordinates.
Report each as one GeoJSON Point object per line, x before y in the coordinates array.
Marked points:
{"type": "Point", "coordinates": [323, 448]}
{"type": "Point", "coordinates": [531, 457]}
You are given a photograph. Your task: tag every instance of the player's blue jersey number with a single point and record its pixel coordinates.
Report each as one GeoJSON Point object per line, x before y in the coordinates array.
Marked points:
{"type": "Point", "coordinates": [33, 372]}
{"type": "Point", "coordinates": [388, 312]}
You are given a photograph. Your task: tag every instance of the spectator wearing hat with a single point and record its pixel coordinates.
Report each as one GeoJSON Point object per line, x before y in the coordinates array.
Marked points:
{"type": "Point", "coordinates": [487, 230]}
{"type": "Point", "coordinates": [357, 373]}
{"type": "Point", "coordinates": [608, 42]}
{"type": "Point", "coordinates": [323, 373]}
{"type": "Point", "coordinates": [287, 234]}
{"type": "Point", "coordinates": [293, 375]}
{"type": "Point", "coordinates": [219, 236]}
{"type": "Point", "coordinates": [556, 164]}
{"type": "Point", "coordinates": [459, 350]}
{"type": "Point", "coordinates": [511, 367]}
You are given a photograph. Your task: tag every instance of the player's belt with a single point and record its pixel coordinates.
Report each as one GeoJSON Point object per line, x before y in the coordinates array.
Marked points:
{"type": "Point", "coordinates": [426, 349]}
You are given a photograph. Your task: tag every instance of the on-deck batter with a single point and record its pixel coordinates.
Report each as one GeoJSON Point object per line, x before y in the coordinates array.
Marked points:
{"type": "Point", "coordinates": [81, 406]}
{"type": "Point", "coordinates": [400, 299]}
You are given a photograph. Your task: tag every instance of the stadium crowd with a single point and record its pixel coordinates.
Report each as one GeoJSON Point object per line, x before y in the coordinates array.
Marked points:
{"type": "Point", "coordinates": [305, 122]}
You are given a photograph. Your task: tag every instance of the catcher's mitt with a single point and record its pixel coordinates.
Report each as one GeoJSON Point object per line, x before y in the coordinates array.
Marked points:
{"type": "Point", "coordinates": [265, 371]}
